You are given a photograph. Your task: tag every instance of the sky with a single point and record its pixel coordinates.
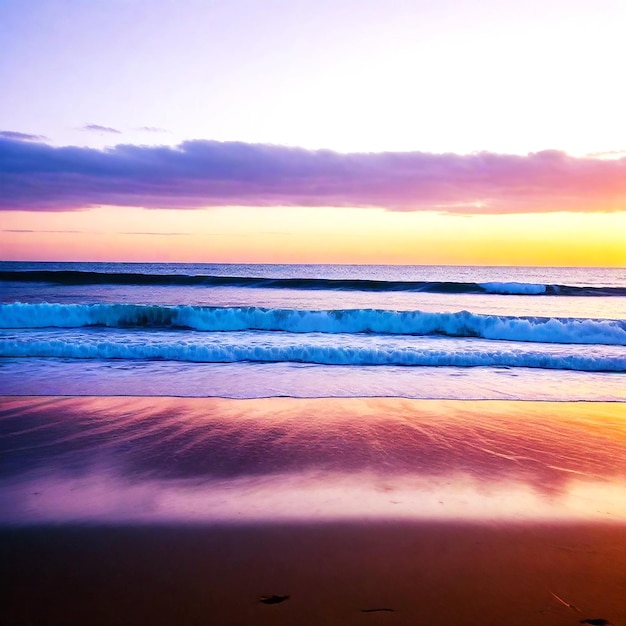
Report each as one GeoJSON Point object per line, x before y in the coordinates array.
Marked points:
{"type": "Point", "coordinates": [317, 131]}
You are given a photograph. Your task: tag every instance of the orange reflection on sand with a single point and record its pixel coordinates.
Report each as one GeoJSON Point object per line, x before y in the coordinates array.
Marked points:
{"type": "Point", "coordinates": [172, 459]}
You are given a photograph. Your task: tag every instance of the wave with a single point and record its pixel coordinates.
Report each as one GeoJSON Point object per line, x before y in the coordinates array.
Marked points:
{"type": "Point", "coordinates": [352, 321]}
{"type": "Point", "coordinates": [311, 349]}
{"type": "Point", "coordinates": [75, 277]}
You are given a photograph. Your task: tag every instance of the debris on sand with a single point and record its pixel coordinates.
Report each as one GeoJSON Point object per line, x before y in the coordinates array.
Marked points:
{"type": "Point", "coordinates": [567, 604]}
{"type": "Point", "coordinates": [273, 599]}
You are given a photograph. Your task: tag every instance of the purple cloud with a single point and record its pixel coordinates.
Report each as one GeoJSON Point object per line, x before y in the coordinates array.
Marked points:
{"type": "Point", "coordinates": [11, 134]}
{"type": "Point", "coordinates": [101, 129]}
{"type": "Point", "coordinates": [40, 177]}
{"type": "Point", "coordinates": [152, 129]}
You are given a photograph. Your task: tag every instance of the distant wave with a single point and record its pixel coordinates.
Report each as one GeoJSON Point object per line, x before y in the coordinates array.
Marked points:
{"type": "Point", "coordinates": [351, 321]}
{"type": "Point", "coordinates": [72, 277]}
{"type": "Point", "coordinates": [314, 349]}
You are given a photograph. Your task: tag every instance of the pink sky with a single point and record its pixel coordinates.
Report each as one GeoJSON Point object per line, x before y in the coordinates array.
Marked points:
{"type": "Point", "coordinates": [359, 131]}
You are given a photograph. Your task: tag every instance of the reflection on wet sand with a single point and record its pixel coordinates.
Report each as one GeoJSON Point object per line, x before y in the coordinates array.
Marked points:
{"type": "Point", "coordinates": [193, 511]}
{"type": "Point", "coordinates": [214, 460]}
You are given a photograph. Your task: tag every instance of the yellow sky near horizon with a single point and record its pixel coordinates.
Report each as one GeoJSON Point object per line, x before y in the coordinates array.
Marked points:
{"type": "Point", "coordinates": [315, 235]}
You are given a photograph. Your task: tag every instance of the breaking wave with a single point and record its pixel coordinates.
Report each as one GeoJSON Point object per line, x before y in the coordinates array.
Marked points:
{"type": "Point", "coordinates": [351, 321]}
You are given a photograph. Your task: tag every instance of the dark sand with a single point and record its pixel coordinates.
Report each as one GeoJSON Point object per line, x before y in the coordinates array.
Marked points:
{"type": "Point", "coordinates": [334, 574]}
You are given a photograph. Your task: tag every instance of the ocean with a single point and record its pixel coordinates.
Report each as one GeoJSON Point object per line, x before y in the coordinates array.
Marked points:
{"type": "Point", "coordinates": [312, 331]}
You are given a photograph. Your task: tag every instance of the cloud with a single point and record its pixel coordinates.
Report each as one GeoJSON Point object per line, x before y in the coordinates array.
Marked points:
{"type": "Point", "coordinates": [101, 129]}
{"type": "Point", "coordinates": [194, 174]}
{"type": "Point", "coordinates": [30, 231]}
{"type": "Point", "coordinates": [11, 134]}
{"type": "Point", "coordinates": [161, 234]}
{"type": "Point", "coordinates": [608, 154]}
{"type": "Point", "coordinates": [152, 129]}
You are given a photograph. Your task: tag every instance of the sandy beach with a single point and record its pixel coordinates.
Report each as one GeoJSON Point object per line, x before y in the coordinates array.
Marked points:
{"type": "Point", "coordinates": [191, 511]}
{"type": "Point", "coordinates": [333, 574]}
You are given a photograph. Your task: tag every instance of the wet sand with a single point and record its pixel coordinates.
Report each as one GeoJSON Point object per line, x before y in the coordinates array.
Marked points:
{"type": "Point", "coordinates": [424, 573]}
{"type": "Point", "coordinates": [190, 511]}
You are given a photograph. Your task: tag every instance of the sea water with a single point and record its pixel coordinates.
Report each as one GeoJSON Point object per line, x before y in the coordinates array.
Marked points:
{"type": "Point", "coordinates": [252, 331]}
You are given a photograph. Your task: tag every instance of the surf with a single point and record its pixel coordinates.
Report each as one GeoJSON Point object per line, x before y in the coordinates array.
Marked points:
{"type": "Point", "coordinates": [350, 321]}
{"type": "Point", "coordinates": [312, 348]}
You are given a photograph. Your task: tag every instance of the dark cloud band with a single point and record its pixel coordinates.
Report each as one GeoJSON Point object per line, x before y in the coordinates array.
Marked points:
{"type": "Point", "coordinates": [194, 174]}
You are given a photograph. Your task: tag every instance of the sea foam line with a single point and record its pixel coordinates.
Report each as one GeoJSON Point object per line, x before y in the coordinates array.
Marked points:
{"type": "Point", "coordinates": [267, 347]}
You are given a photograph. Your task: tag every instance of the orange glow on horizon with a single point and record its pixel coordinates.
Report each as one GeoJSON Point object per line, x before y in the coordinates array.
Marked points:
{"type": "Point", "coordinates": [315, 235]}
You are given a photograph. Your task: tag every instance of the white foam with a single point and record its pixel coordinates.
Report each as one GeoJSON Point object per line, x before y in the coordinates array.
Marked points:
{"type": "Point", "coordinates": [354, 321]}
{"type": "Point", "coordinates": [271, 347]}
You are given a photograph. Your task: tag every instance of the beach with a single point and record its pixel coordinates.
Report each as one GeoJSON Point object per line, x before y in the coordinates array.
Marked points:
{"type": "Point", "coordinates": [191, 510]}
{"type": "Point", "coordinates": [425, 573]}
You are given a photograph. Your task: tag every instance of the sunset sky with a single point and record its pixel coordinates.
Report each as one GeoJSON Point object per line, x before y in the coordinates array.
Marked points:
{"type": "Point", "coordinates": [319, 131]}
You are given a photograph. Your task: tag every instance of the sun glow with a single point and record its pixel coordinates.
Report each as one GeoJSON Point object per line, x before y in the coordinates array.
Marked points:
{"type": "Point", "coordinates": [316, 235]}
